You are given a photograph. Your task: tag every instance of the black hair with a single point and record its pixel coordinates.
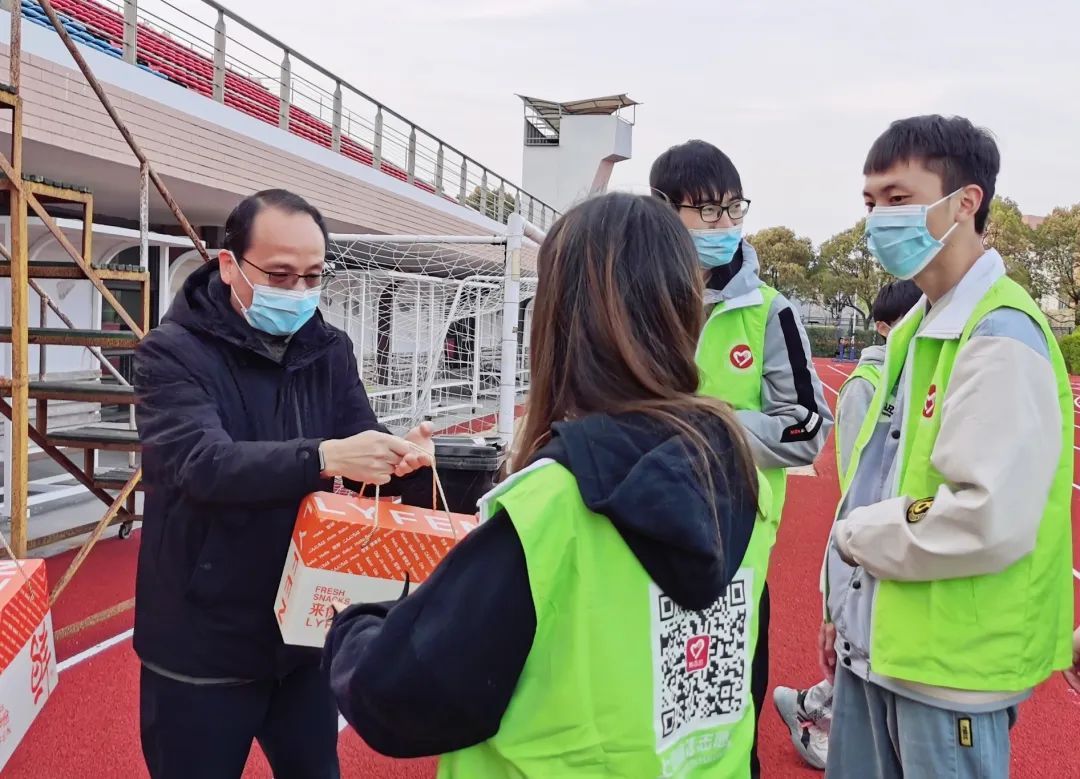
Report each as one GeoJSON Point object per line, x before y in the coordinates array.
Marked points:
{"type": "Point", "coordinates": [952, 147]}
{"type": "Point", "coordinates": [695, 171]}
{"type": "Point", "coordinates": [240, 222]}
{"type": "Point", "coordinates": [618, 276]}
{"type": "Point", "coordinates": [894, 300]}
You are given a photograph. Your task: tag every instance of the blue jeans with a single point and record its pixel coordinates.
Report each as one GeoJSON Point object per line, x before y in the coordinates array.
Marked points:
{"type": "Point", "coordinates": [877, 734]}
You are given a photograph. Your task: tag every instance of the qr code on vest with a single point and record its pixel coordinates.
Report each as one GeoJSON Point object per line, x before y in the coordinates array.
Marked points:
{"type": "Point", "coordinates": [701, 661]}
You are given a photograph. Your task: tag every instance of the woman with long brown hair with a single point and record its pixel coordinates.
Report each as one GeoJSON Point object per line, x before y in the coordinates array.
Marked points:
{"type": "Point", "coordinates": [601, 620]}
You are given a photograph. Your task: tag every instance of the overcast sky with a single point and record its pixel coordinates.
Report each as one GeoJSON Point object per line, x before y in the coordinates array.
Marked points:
{"type": "Point", "coordinates": [794, 91]}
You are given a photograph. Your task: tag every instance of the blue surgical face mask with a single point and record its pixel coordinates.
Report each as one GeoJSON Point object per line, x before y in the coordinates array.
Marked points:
{"type": "Point", "coordinates": [899, 238]}
{"type": "Point", "coordinates": [279, 312]}
{"type": "Point", "coordinates": [717, 247]}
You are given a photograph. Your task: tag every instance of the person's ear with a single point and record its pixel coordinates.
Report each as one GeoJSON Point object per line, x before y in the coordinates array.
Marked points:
{"type": "Point", "coordinates": [971, 200]}
{"type": "Point", "coordinates": [227, 265]}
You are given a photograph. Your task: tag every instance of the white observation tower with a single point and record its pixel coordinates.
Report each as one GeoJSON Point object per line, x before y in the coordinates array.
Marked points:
{"type": "Point", "coordinates": [571, 148]}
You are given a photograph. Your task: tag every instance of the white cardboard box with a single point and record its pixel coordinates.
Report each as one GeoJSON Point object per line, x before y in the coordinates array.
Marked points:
{"type": "Point", "coordinates": [356, 551]}
{"type": "Point", "coordinates": [27, 651]}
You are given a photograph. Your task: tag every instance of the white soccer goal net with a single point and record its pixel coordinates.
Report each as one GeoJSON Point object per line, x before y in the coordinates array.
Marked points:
{"type": "Point", "coordinates": [425, 314]}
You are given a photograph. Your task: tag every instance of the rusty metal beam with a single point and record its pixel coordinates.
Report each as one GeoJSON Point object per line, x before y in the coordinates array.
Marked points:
{"type": "Point", "coordinates": [18, 190]}
{"type": "Point", "coordinates": [114, 508]}
{"type": "Point", "coordinates": [20, 370]}
{"type": "Point", "coordinates": [15, 47]}
{"type": "Point", "coordinates": [95, 85]}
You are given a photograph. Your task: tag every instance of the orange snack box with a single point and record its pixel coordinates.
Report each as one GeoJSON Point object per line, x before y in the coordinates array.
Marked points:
{"type": "Point", "coordinates": [28, 672]}
{"type": "Point", "coordinates": [357, 550]}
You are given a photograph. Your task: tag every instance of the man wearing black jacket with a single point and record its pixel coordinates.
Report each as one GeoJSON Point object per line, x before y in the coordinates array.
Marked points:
{"type": "Point", "coordinates": [246, 402]}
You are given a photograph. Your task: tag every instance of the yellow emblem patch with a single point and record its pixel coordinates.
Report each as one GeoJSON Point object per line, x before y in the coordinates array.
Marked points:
{"type": "Point", "coordinates": [964, 734]}
{"type": "Point", "coordinates": [918, 509]}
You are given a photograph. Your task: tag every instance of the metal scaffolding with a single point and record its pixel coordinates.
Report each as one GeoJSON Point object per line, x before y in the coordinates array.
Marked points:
{"type": "Point", "coordinates": [25, 194]}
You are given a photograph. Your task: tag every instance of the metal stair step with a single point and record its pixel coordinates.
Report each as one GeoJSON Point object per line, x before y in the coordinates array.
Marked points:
{"type": "Point", "coordinates": [69, 270]}
{"type": "Point", "coordinates": [108, 439]}
{"type": "Point", "coordinates": [55, 184]}
{"type": "Point", "coordinates": [62, 336]}
{"type": "Point", "coordinates": [74, 532]}
{"type": "Point", "coordinates": [115, 479]}
{"type": "Point", "coordinates": [51, 189]}
{"type": "Point", "coordinates": [83, 391]}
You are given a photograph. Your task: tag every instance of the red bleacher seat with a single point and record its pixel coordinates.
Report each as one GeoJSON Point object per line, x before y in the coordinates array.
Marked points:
{"type": "Point", "coordinates": [191, 69]}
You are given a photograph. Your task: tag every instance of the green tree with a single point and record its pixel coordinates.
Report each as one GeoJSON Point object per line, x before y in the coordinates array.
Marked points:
{"type": "Point", "coordinates": [847, 270]}
{"type": "Point", "coordinates": [832, 291]}
{"type": "Point", "coordinates": [491, 204]}
{"type": "Point", "coordinates": [786, 260]}
{"type": "Point", "coordinates": [1057, 244]}
{"type": "Point", "coordinates": [1015, 242]}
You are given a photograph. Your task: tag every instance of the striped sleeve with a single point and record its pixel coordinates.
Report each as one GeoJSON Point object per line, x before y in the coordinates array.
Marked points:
{"type": "Point", "coordinates": [791, 428]}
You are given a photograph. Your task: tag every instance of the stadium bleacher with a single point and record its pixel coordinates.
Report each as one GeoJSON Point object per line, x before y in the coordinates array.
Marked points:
{"type": "Point", "coordinates": [102, 28]}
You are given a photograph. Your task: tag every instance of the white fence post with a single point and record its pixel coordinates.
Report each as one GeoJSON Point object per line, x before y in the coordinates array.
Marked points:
{"type": "Point", "coordinates": [511, 298]}
{"type": "Point", "coordinates": [131, 31]}
{"type": "Point", "coordinates": [219, 58]}
{"type": "Point", "coordinates": [285, 92]}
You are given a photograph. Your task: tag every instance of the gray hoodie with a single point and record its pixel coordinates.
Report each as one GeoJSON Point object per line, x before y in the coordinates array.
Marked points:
{"type": "Point", "coordinates": [851, 406]}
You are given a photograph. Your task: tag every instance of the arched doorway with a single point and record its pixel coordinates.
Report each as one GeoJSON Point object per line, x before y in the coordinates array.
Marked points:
{"type": "Point", "coordinates": [179, 270]}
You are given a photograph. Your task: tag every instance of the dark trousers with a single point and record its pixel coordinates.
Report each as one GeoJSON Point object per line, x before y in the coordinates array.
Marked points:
{"type": "Point", "coordinates": [759, 674]}
{"type": "Point", "coordinates": [206, 731]}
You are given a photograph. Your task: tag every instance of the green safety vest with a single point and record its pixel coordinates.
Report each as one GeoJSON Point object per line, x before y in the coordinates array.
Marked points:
{"type": "Point", "coordinates": [872, 374]}
{"type": "Point", "coordinates": [620, 681]}
{"type": "Point", "coordinates": [730, 358]}
{"type": "Point", "coordinates": [1006, 631]}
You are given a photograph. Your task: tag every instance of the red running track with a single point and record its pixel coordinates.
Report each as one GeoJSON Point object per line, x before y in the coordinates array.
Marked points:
{"type": "Point", "coordinates": [90, 727]}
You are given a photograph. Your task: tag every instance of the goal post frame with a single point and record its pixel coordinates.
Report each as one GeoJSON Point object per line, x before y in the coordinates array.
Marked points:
{"type": "Point", "coordinates": [509, 382]}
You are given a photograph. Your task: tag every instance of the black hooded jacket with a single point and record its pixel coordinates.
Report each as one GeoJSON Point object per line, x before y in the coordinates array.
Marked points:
{"type": "Point", "coordinates": [434, 672]}
{"type": "Point", "coordinates": [230, 429]}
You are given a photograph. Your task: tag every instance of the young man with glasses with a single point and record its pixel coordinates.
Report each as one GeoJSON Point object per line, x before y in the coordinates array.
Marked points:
{"type": "Point", "coordinates": [246, 402]}
{"type": "Point", "coordinates": [753, 352]}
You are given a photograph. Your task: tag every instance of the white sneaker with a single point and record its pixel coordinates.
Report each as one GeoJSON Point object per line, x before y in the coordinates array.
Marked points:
{"type": "Point", "coordinates": [810, 741]}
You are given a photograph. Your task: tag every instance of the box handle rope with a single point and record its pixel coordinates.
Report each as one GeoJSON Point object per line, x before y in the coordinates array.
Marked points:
{"type": "Point", "coordinates": [436, 493]}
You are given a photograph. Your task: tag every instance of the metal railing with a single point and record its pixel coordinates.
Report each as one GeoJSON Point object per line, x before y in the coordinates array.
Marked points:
{"type": "Point", "coordinates": [204, 46]}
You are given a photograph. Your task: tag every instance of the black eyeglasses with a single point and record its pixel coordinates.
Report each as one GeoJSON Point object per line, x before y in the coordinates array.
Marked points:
{"type": "Point", "coordinates": [287, 280]}
{"type": "Point", "coordinates": [712, 212]}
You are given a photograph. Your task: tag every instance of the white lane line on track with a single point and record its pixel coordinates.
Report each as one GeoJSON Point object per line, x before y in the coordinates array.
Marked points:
{"type": "Point", "coordinates": [830, 388]}
{"type": "Point", "coordinates": [86, 654]}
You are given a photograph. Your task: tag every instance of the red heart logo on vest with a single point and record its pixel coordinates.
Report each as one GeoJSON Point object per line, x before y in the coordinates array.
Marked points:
{"type": "Point", "coordinates": [741, 357]}
{"type": "Point", "coordinates": [697, 653]}
{"type": "Point", "coordinates": [930, 402]}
